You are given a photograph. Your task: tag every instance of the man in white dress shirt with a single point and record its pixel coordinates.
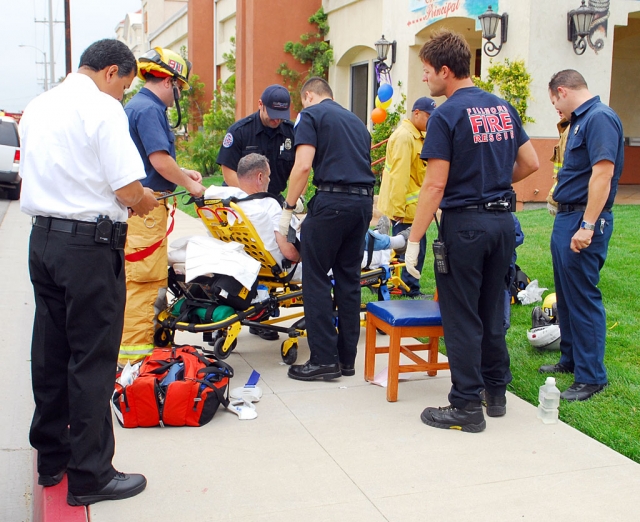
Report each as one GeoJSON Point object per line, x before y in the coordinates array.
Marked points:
{"type": "Point", "coordinates": [81, 173]}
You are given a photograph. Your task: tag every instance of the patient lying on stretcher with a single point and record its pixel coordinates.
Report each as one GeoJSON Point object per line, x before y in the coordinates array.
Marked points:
{"type": "Point", "coordinates": [253, 177]}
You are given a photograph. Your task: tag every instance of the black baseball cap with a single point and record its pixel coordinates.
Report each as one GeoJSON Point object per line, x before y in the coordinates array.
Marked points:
{"type": "Point", "coordinates": [424, 104]}
{"type": "Point", "coordinates": [276, 100]}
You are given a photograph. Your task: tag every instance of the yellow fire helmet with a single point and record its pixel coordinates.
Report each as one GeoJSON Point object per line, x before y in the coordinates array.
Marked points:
{"type": "Point", "coordinates": [165, 62]}
{"type": "Point", "coordinates": [549, 306]}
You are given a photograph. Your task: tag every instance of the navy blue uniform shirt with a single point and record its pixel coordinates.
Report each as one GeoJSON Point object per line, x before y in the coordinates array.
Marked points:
{"type": "Point", "coordinates": [249, 135]}
{"type": "Point", "coordinates": [342, 142]}
{"type": "Point", "coordinates": [150, 131]}
{"type": "Point", "coordinates": [479, 134]}
{"type": "Point", "coordinates": [596, 134]}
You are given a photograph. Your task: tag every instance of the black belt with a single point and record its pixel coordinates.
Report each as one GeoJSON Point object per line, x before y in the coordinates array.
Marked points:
{"type": "Point", "coordinates": [71, 226]}
{"type": "Point", "coordinates": [562, 207]}
{"type": "Point", "coordinates": [346, 189]}
{"type": "Point", "coordinates": [494, 206]}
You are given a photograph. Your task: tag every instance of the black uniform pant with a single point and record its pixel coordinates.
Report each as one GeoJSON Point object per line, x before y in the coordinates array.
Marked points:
{"type": "Point", "coordinates": [333, 239]}
{"type": "Point", "coordinates": [480, 246]}
{"type": "Point", "coordinates": [80, 295]}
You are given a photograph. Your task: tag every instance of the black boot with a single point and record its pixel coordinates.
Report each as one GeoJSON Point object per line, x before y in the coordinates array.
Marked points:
{"type": "Point", "coordinates": [469, 419]}
{"type": "Point", "coordinates": [348, 370]}
{"type": "Point", "coordinates": [496, 404]}
{"type": "Point", "coordinates": [264, 333]}
{"type": "Point", "coordinates": [310, 371]}
{"type": "Point", "coordinates": [121, 486]}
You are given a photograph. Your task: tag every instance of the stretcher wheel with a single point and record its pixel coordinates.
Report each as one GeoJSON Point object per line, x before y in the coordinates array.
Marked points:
{"type": "Point", "coordinates": [219, 349]}
{"type": "Point", "coordinates": [289, 351]}
{"type": "Point", "coordinates": [163, 337]}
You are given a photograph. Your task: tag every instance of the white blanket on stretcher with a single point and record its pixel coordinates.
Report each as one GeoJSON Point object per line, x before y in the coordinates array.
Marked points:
{"type": "Point", "coordinates": [206, 255]}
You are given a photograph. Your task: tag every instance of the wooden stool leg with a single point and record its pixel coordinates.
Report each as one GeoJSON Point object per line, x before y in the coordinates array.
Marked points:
{"type": "Point", "coordinates": [370, 350]}
{"type": "Point", "coordinates": [433, 354]}
{"type": "Point", "coordinates": [394, 364]}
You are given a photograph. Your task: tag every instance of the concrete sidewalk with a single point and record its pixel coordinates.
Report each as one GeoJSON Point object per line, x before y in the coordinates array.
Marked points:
{"type": "Point", "coordinates": [320, 450]}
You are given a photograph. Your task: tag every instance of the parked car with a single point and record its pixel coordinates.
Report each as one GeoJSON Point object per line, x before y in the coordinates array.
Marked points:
{"type": "Point", "coordinates": [10, 157]}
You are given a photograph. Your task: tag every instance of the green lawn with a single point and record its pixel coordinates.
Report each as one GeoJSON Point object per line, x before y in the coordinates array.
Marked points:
{"type": "Point", "coordinates": [611, 417]}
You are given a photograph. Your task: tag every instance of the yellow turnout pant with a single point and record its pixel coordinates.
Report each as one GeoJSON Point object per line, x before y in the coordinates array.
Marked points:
{"type": "Point", "coordinates": [146, 285]}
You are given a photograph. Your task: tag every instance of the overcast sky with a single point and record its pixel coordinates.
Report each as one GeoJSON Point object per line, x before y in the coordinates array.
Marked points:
{"type": "Point", "coordinates": [21, 78]}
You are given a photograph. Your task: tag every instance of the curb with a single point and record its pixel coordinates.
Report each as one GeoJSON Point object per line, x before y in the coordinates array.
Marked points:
{"type": "Point", "coordinates": [50, 504]}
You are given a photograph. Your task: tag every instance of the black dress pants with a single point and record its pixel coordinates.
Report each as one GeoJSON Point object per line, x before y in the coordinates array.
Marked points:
{"type": "Point", "coordinates": [80, 295]}
{"type": "Point", "coordinates": [333, 239]}
{"type": "Point", "coordinates": [480, 246]}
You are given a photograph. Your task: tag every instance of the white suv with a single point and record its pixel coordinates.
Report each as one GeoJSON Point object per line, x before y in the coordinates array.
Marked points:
{"type": "Point", "coordinates": [10, 157]}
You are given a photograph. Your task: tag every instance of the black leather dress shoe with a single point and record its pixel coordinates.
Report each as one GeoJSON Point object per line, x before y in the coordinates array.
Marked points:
{"type": "Point", "coordinates": [310, 371]}
{"type": "Point", "coordinates": [122, 485]}
{"type": "Point", "coordinates": [51, 480]}
{"type": "Point", "coordinates": [554, 368]}
{"type": "Point", "coordinates": [581, 392]}
{"type": "Point", "coordinates": [469, 418]}
{"type": "Point", "coordinates": [264, 333]}
{"type": "Point", "coordinates": [496, 404]}
{"type": "Point", "coordinates": [348, 370]}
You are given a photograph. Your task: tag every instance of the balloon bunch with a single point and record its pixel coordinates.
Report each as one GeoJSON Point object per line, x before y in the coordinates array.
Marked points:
{"type": "Point", "coordinates": [383, 101]}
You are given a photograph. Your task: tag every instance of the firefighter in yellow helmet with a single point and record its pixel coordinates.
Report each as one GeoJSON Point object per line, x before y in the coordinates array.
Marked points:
{"type": "Point", "coordinates": [165, 74]}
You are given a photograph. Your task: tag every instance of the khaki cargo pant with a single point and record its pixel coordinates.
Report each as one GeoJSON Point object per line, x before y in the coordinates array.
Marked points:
{"type": "Point", "coordinates": [146, 285]}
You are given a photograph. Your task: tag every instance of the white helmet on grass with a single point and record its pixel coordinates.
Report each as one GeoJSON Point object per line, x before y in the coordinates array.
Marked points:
{"type": "Point", "coordinates": [545, 337]}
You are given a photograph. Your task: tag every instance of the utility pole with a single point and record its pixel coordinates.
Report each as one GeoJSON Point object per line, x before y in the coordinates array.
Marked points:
{"type": "Point", "coordinates": [46, 83]}
{"type": "Point", "coordinates": [52, 65]}
{"type": "Point", "coordinates": [67, 34]}
{"type": "Point", "coordinates": [52, 61]}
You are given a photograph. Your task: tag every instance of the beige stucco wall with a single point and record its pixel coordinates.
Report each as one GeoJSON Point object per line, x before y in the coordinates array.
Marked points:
{"type": "Point", "coordinates": [415, 86]}
{"type": "Point", "coordinates": [159, 11]}
{"type": "Point", "coordinates": [172, 34]}
{"type": "Point", "coordinates": [537, 34]}
{"type": "Point", "coordinates": [625, 95]}
{"type": "Point", "coordinates": [225, 29]}
{"type": "Point", "coordinates": [354, 26]}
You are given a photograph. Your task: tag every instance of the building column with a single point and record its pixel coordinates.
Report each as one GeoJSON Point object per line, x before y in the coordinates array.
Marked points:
{"type": "Point", "coordinates": [201, 31]}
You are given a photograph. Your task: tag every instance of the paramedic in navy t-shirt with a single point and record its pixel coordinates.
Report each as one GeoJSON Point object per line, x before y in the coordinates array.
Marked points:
{"type": "Point", "coordinates": [337, 145]}
{"type": "Point", "coordinates": [475, 148]}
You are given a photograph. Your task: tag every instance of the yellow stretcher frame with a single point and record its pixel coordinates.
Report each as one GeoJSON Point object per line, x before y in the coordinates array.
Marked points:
{"type": "Point", "coordinates": [222, 335]}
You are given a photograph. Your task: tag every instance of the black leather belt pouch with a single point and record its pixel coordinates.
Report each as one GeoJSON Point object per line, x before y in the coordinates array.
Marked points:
{"type": "Point", "coordinates": [119, 236]}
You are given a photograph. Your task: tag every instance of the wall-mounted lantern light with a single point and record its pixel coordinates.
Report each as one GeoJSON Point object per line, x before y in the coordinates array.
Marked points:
{"type": "Point", "coordinates": [578, 26]}
{"type": "Point", "coordinates": [382, 48]}
{"type": "Point", "coordinates": [489, 22]}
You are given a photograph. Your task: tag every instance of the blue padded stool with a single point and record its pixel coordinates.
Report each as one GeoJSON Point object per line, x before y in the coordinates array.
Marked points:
{"type": "Point", "coordinates": [398, 319]}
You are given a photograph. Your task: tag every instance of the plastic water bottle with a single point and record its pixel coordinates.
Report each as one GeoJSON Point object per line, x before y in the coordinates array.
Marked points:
{"type": "Point", "coordinates": [548, 401]}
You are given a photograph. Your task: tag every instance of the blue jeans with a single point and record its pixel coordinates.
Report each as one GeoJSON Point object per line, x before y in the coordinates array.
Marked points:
{"type": "Point", "coordinates": [380, 241]}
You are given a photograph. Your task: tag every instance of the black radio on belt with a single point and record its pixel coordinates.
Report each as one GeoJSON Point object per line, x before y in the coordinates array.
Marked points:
{"type": "Point", "coordinates": [110, 233]}
{"type": "Point", "coordinates": [440, 252]}
{"type": "Point", "coordinates": [104, 227]}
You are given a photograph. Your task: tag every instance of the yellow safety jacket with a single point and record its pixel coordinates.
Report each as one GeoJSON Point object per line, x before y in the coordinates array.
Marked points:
{"type": "Point", "coordinates": [558, 156]}
{"type": "Point", "coordinates": [403, 173]}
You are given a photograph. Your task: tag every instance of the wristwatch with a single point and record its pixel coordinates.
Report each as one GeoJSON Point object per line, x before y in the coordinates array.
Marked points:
{"type": "Point", "coordinates": [588, 226]}
{"type": "Point", "coordinates": [286, 205]}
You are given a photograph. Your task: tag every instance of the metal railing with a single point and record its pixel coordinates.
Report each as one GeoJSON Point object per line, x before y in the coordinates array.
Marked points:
{"type": "Point", "coordinates": [379, 160]}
